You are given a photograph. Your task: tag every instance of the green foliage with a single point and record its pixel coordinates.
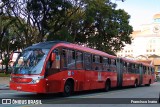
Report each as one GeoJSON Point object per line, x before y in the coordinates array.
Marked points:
{"type": "Point", "coordinates": [110, 27]}
{"type": "Point", "coordinates": [4, 75]}
{"type": "Point", "coordinates": [95, 23]}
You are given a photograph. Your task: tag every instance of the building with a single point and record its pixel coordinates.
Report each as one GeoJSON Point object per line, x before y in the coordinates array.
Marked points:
{"type": "Point", "coordinates": [145, 44]}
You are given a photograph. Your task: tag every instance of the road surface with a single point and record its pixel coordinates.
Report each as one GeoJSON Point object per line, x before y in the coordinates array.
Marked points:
{"type": "Point", "coordinates": [126, 97]}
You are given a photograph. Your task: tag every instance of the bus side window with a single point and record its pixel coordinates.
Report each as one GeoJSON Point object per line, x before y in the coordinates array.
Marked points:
{"type": "Point", "coordinates": [95, 62]}
{"type": "Point", "coordinates": [152, 70]}
{"type": "Point", "coordinates": [53, 67]}
{"type": "Point", "coordinates": [133, 68]}
{"type": "Point", "coordinates": [125, 70]}
{"type": "Point", "coordinates": [56, 63]}
{"type": "Point", "coordinates": [101, 63]}
{"type": "Point", "coordinates": [64, 58]}
{"type": "Point", "coordinates": [79, 60]}
{"type": "Point", "coordinates": [129, 66]}
{"type": "Point", "coordinates": [147, 70]}
{"type": "Point", "coordinates": [87, 61]}
{"type": "Point", "coordinates": [113, 65]}
{"type": "Point", "coordinates": [109, 61]}
{"type": "Point", "coordinates": [71, 59]}
{"type": "Point", "coordinates": [109, 65]}
{"type": "Point", "coordinates": [113, 62]}
{"type": "Point", "coordinates": [136, 69]}
{"type": "Point", "coordinates": [144, 70]}
{"type": "Point", "coordinates": [98, 67]}
{"type": "Point", "coordinates": [105, 64]}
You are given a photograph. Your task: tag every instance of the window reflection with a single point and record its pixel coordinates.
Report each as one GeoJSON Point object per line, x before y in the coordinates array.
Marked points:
{"type": "Point", "coordinates": [30, 61]}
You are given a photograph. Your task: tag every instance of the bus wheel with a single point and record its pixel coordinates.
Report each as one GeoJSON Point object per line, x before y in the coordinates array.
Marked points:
{"type": "Point", "coordinates": [149, 83]}
{"type": "Point", "coordinates": [67, 89]}
{"type": "Point", "coordinates": [135, 84]}
{"type": "Point", "coordinates": [107, 85]}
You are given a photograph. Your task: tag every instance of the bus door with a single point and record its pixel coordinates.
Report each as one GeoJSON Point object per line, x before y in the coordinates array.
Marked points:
{"type": "Point", "coordinates": [53, 67]}
{"type": "Point", "coordinates": [131, 74]}
{"type": "Point", "coordinates": [153, 74]}
{"type": "Point", "coordinates": [88, 71]}
{"type": "Point", "coordinates": [126, 77]}
{"type": "Point", "coordinates": [96, 74]}
{"type": "Point", "coordinates": [119, 72]}
{"type": "Point", "coordinates": [80, 72]}
{"type": "Point", "coordinates": [113, 72]}
{"type": "Point", "coordinates": [149, 74]}
{"type": "Point", "coordinates": [145, 78]}
{"type": "Point", "coordinates": [140, 68]}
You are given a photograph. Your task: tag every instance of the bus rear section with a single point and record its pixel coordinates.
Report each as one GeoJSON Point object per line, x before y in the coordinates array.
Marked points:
{"type": "Point", "coordinates": [128, 72]}
{"type": "Point", "coordinates": [148, 76]}
{"type": "Point", "coordinates": [133, 73]}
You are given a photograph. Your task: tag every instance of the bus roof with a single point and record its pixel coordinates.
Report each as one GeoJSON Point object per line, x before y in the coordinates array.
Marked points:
{"type": "Point", "coordinates": [145, 64]}
{"type": "Point", "coordinates": [130, 61]}
{"type": "Point", "coordinates": [50, 44]}
{"type": "Point", "coordinates": [45, 45]}
{"type": "Point", "coordinates": [86, 49]}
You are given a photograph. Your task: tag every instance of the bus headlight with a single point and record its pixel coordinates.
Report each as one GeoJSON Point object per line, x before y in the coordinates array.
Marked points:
{"type": "Point", "coordinates": [10, 79]}
{"type": "Point", "coordinates": [36, 81]}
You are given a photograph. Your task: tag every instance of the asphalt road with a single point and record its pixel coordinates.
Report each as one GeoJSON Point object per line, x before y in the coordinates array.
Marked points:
{"type": "Point", "coordinates": [115, 98]}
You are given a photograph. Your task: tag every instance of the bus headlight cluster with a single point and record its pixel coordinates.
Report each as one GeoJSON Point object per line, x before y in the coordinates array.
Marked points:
{"type": "Point", "coordinates": [36, 81]}
{"type": "Point", "coordinates": [10, 79]}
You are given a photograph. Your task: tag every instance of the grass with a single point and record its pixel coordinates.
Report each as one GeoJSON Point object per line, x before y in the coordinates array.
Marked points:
{"type": "Point", "coordinates": [2, 74]}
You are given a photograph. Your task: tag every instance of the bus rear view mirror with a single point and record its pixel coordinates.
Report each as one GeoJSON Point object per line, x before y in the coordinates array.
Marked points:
{"type": "Point", "coordinates": [53, 57]}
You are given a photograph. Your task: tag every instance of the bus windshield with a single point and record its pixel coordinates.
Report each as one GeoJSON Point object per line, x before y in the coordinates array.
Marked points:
{"type": "Point", "coordinates": [30, 61]}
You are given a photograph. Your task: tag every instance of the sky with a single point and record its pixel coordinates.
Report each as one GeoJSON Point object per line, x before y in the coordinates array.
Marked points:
{"type": "Point", "coordinates": [141, 11]}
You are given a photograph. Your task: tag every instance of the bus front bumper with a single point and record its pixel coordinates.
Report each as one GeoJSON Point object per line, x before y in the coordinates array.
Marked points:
{"type": "Point", "coordinates": [35, 88]}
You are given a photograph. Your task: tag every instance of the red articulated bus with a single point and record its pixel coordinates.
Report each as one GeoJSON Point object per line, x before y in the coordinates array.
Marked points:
{"type": "Point", "coordinates": [56, 66]}
{"type": "Point", "coordinates": [148, 74]}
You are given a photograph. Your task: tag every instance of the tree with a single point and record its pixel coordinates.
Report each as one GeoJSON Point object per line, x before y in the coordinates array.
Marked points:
{"type": "Point", "coordinates": [55, 18]}
{"type": "Point", "coordinates": [95, 23]}
{"type": "Point", "coordinates": [12, 35]}
{"type": "Point", "coordinates": [108, 28]}
{"type": "Point", "coordinates": [9, 41]}
{"type": "Point", "coordinates": [28, 33]}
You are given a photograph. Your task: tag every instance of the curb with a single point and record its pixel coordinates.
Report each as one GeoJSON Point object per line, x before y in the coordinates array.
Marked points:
{"type": "Point", "coordinates": [5, 87]}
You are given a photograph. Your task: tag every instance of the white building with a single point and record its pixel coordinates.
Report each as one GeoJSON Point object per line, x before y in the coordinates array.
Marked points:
{"type": "Point", "coordinates": [146, 41]}
{"type": "Point", "coordinates": [145, 44]}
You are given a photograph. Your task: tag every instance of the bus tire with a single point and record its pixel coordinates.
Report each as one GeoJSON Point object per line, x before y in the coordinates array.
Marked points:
{"type": "Point", "coordinates": [67, 89]}
{"type": "Point", "coordinates": [39, 94]}
{"type": "Point", "coordinates": [107, 86]}
{"type": "Point", "coordinates": [149, 83]}
{"type": "Point", "coordinates": [135, 83]}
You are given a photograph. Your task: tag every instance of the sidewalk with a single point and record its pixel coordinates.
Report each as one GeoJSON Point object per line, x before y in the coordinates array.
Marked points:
{"type": "Point", "coordinates": [4, 83]}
